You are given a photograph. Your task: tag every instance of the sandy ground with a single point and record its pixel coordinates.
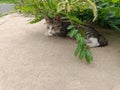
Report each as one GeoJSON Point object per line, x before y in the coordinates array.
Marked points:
{"type": "Point", "coordinates": [31, 61]}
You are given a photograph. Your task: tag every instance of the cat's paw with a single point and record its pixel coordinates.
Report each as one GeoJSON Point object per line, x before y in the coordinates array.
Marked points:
{"type": "Point", "coordinates": [48, 34]}
{"type": "Point", "coordinates": [92, 45]}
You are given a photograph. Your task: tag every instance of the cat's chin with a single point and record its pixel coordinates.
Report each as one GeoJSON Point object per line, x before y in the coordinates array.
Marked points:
{"type": "Point", "coordinates": [48, 34]}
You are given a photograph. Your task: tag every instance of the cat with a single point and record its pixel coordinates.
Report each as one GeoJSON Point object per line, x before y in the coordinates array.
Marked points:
{"type": "Point", "coordinates": [58, 27]}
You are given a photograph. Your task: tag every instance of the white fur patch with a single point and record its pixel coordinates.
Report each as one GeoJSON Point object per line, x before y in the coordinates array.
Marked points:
{"type": "Point", "coordinates": [93, 42]}
{"type": "Point", "coordinates": [48, 34]}
{"type": "Point", "coordinates": [49, 31]}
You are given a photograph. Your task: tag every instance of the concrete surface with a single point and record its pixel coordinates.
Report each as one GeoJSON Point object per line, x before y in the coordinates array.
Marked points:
{"type": "Point", "coordinates": [31, 61]}
{"type": "Point", "coordinates": [5, 8]}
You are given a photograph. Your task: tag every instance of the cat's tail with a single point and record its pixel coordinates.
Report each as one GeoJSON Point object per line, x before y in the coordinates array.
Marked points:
{"type": "Point", "coordinates": [103, 41]}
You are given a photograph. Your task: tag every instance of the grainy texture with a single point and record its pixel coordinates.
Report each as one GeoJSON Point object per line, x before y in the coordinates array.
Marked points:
{"type": "Point", "coordinates": [31, 61]}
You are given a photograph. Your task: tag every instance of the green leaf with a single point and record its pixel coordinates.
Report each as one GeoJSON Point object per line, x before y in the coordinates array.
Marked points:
{"type": "Point", "coordinates": [82, 32]}
{"type": "Point", "coordinates": [70, 27]}
{"type": "Point", "coordinates": [77, 50]}
{"type": "Point", "coordinates": [82, 54]}
{"type": "Point", "coordinates": [115, 1]}
{"type": "Point", "coordinates": [116, 21]}
{"type": "Point", "coordinates": [75, 19]}
{"type": "Point", "coordinates": [81, 42]}
{"type": "Point", "coordinates": [78, 36]}
{"type": "Point", "coordinates": [114, 27]}
{"type": "Point", "coordinates": [51, 5]}
{"type": "Point", "coordinates": [88, 56]}
{"type": "Point", "coordinates": [73, 33]}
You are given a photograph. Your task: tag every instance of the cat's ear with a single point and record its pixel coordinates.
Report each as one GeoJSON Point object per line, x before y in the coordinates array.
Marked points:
{"type": "Point", "coordinates": [47, 17]}
{"type": "Point", "coordinates": [57, 17]}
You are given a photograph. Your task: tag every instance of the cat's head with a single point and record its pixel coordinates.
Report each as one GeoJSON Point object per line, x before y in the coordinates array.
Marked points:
{"type": "Point", "coordinates": [57, 24]}
{"type": "Point", "coordinates": [54, 24]}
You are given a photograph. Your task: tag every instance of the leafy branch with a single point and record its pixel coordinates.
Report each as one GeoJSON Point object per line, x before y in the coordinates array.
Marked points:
{"type": "Point", "coordinates": [67, 9]}
{"type": "Point", "coordinates": [82, 49]}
